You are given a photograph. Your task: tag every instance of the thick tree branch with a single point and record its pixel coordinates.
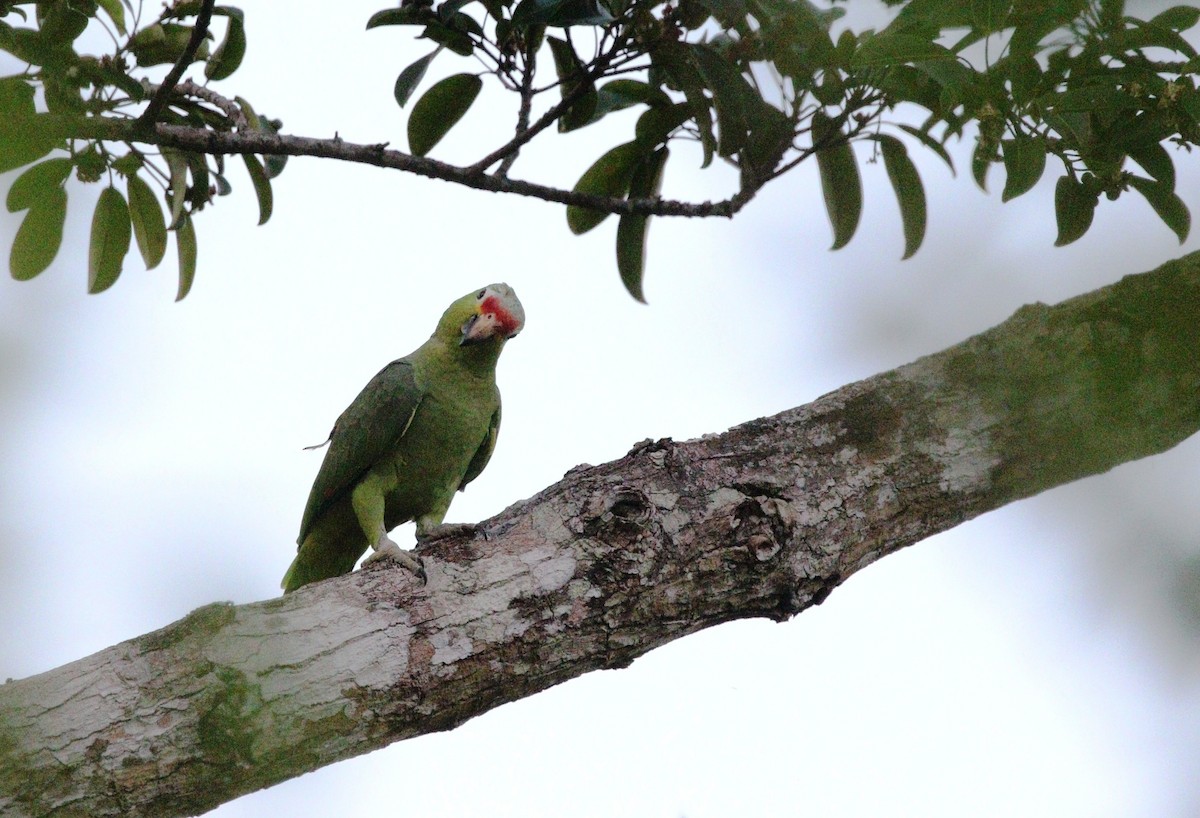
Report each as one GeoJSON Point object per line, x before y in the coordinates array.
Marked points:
{"type": "Point", "coordinates": [202, 140]}
{"type": "Point", "coordinates": [614, 560]}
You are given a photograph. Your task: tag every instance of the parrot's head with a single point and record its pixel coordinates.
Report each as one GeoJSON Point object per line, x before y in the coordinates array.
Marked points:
{"type": "Point", "coordinates": [492, 314]}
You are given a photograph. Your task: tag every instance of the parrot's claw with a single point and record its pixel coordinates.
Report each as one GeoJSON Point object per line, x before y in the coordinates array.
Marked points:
{"type": "Point", "coordinates": [388, 550]}
{"type": "Point", "coordinates": [447, 530]}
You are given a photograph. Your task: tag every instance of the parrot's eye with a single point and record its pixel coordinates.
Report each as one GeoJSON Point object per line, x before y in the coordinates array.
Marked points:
{"type": "Point", "coordinates": [482, 293]}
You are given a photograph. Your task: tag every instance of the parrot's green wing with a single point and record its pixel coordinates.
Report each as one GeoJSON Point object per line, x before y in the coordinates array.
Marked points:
{"type": "Point", "coordinates": [484, 454]}
{"type": "Point", "coordinates": [364, 434]}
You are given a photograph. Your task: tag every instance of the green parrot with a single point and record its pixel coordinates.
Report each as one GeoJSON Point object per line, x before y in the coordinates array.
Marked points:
{"type": "Point", "coordinates": [419, 431]}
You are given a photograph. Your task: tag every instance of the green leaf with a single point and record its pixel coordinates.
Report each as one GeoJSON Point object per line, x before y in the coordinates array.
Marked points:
{"type": "Point", "coordinates": [228, 56]}
{"type": "Point", "coordinates": [39, 236]}
{"type": "Point", "coordinates": [1166, 203]}
{"type": "Point", "coordinates": [632, 229]}
{"type": "Point", "coordinates": [910, 193]}
{"type": "Point", "coordinates": [116, 13]}
{"type": "Point", "coordinates": [610, 175]}
{"type": "Point", "coordinates": [149, 225]}
{"type": "Point", "coordinates": [185, 244]}
{"type": "Point", "coordinates": [1024, 163]}
{"type": "Point", "coordinates": [439, 109]}
{"type": "Point", "coordinates": [1073, 210]}
{"type": "Point", "coordinates": [262, 187]}
{"type": "Point", "coordinates": [40, 180]}
{"type": "Point", "coordinates": [572, 76]}
{"type": "Point", "coordinates": [1177, 18]}
{"type": "Point", "coordinates": [411, 77]}
{"type": "Point", "coordinates": [111, 233]}
{"type": "Point", "coordinates": [23, 137]}
{"type": "Point", "coordinates": [561, 13]}
{"type": "Point", "coordinates": [840, 180]}
{"type": "Point", "coordinates": [178, 165]}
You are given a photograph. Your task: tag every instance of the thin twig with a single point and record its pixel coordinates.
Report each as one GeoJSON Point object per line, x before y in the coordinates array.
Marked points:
{"type": "Point", "coordinates": [551, 116]}
{"type": "Point", "coordinates": [159, 101]}
{"type": "Point", "coordinates": [523, 112]}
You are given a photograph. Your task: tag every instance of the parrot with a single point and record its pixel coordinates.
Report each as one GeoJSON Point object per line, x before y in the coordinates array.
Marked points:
{"type": "Point", "coordinates": [423, 428]}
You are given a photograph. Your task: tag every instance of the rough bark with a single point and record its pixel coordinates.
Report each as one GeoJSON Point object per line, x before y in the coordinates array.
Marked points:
{"type": "Point", "coordinates": [761, 521]}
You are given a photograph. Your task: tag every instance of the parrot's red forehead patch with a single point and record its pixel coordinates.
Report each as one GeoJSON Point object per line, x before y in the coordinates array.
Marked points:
{"type": "Point", "coordinates": [505, 320]}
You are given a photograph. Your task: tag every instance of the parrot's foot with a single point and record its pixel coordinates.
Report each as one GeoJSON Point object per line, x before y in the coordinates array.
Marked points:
{"type": "Point", "coordinates": [447, 530]}
{"type": "Point", "coordinates": [386, 549]}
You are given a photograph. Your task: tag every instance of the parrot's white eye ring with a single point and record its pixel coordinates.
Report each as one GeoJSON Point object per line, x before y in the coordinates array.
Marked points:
{"type": "Point", "coordinates": [482, 293]}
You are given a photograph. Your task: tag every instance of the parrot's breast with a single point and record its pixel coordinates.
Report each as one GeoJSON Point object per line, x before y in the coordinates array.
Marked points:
{"type": "Point", "coordinates": [432, 457]}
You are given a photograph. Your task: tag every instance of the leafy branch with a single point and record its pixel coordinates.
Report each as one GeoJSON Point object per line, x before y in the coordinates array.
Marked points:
{"type": "Point", "coordinates": [762, 85]}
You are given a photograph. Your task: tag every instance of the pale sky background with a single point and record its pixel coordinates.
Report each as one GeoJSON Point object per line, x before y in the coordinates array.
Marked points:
{"type": "Point", "coordinates": [1038, 661]}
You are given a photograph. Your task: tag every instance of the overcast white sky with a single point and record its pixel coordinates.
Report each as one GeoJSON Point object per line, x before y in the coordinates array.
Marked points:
{"type": "Point", "coordinates": [153, 463]}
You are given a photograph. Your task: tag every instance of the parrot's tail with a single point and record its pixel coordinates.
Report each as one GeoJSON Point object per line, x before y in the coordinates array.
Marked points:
{"type": "Point", "coordinates": [320, 559]}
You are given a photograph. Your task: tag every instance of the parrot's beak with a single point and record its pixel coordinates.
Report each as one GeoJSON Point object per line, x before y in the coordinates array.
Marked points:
{"type": "Point", "coordinates": [479, 328]}
{"type": "Point", "coordinates": [493, 319]}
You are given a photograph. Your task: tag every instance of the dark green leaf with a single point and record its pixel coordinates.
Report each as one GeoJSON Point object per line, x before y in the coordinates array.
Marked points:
{"type": "Point", "coordinates": [1073, 210]}
{"type": "Point", "coordinates": [405, 16]}
{"type": "Point", "coordinates": [411, 77]}
{"type": "Point", "coordinates": [111, 234]}
{"type": "Point", "coordinates": [38, 181]}
{"type": "Point", "coordinates": [178, 165]}
{"type": "Point", "coordinates": [673, 59]}
{"type": "Point", "coordinates": [1024, 163]}
{"type": "Point", "coordinates": [841, 184]}
{"type": "Point", "coordinates": [1177, 18]}
{"type": "Point", "coordinates": [656, 124]}
{"type": "Point", "coordinates": [222, 184]}
{"type": "Point", "coordinates": [572, 80]}
{"type": "Point", "coordinates": [253, 122]}
{"type": "Point", "coordinates": [989, 16]}
{"type": "Point", "coordinates": [1150, 35]}
{"type": "Point", "coordinates": [981, 162]}
{"type": "Point", "coordinates": [897, 49]}
{"type": "Point", "coordinates": [625, 93]}
{"type": "Point", "coordinates": [561, 13]}
{"type": "Point", "coordinates": [185, 243]}
{"type": "Point", "coordinates": [645, 183]}
{"type": "Point", "coordinates": [453, 39]}
{"type": "Point", "coordinates": [728, 12]}
{"type": "Point", "coordinates": [275, 163]}
{"type": "Point", "coordinates": [262, 187]}
{"type": "Point", "coordinates": [610, 175]}
{"type": "Point", "coordinates": [931, 143]}
{"type": "Point", "coordinates": [228, 56]}
{"type": "Point", "coordinates": [162, 44]}
{"type": "Point", "coordinates": [39, 236]}
{"type": "Point", "coordinates": [1166, 203]}
{"type": "Point", "coordinates": [149, 226]}
{"type": "Point", "coordinates": [910, 193]}
{"type": "Point", "coordinates": [1155, 160]}
{"type": "Point", "coordinates": [439, 109]}
{"type": "Point", "coordinates": [733, 98]}
{"type": "Point", "coordinates": [60, 22]}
